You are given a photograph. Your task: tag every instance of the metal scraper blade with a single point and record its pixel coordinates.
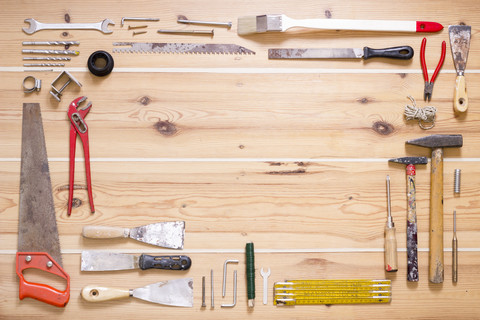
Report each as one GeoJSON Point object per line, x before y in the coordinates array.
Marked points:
{"type": "Point", "coordinates": [37, 226]}
{"type": "Point", "coordinates": [195, 48]}
{"type": "Point", "coordinates": [460, 44]}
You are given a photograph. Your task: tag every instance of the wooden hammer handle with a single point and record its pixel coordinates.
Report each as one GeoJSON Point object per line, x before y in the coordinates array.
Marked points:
{"type": "Point", "coordinates": [435, 255]}
{"type": "Point", "coordinates": [412, 257]}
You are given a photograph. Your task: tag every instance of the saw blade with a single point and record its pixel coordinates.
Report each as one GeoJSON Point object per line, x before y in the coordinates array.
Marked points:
{"type": "Point", "coordinates": [37, 225]}
{"type": "Point", "coordinates": [195, 48]}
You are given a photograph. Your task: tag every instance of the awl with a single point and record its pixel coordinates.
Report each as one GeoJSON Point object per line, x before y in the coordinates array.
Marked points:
{"type": "Point", "coordinates": [402, 53]}
{"type": "Point", "coordinates": [175, 293]}
{"type": "Point", "coordinates": [38, 242]}
{"type": "Point", "coordinates": [162, 234]}
{"type": "Point", "coordinates": [111, 261]}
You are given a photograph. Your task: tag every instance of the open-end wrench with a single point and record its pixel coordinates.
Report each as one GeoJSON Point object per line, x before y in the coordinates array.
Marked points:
{"type": "Point", "coordinates": [37, 26]}
{"type": "Point", "coordinates": [265, 276]}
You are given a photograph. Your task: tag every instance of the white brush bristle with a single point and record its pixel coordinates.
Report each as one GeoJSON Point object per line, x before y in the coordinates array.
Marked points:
{"type": "Point", "coordinates": [246, 25]}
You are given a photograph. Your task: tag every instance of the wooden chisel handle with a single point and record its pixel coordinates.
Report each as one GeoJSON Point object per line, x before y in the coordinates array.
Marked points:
{"type": "Point", "coordinates": [435, 256]}
{"type": "Point", "coordinates": [391, 260]}
{"type": "Point", "coordinates": [460, 102]}
{"type": "Point", "coordinates": [103, 232]}
{"type": "Point", "coordinates": [412, 258]}
{"type": "Point", "coordinates": [98, 294]}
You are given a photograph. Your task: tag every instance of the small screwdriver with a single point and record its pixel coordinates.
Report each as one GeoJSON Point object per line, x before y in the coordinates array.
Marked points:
{"type": "Point", "coordinates": [391, 260]}
{"type": "Point", "coordinates": [454, 249]}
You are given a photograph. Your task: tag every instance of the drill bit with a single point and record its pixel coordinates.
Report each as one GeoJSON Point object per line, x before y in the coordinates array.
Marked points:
{"type": "Point", "coordinates": [454, 249]}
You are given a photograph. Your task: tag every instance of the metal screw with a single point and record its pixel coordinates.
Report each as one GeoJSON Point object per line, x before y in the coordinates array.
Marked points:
{"type": "Point", "coordinates": [139, 32]}
{"type": "Point", "coordinates": [49, 264]}
{"type": "Point", "coordinates": [456, 181]}
{"type": "Point", "coordinates": [28, 258]}
{"type": "Point", "coordinates": [136, 27]}
{"type": "Point", "coordinates": [212, 23]}
{"type": "Point", "coordinates": [203, 292]}
{"type": "Point", "coordinates": [197, 32]}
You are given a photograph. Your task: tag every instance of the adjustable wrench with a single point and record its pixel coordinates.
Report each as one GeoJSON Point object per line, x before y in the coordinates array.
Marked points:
{"type": "Point", "coordinates": [37, 26]}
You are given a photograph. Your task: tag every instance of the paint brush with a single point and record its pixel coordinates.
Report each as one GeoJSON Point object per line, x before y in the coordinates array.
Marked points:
{"type": "Point", "coordinates": [281, 23]}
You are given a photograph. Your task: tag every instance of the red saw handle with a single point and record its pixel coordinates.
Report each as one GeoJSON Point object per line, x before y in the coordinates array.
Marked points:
{"type": "Point", "coordinates": [39, 291]}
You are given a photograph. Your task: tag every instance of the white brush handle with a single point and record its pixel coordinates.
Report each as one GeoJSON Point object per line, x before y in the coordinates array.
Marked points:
{"type": "Point", "coordinates": [346, 24]}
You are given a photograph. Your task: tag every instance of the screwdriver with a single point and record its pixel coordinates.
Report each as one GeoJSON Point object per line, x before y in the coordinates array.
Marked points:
{"type": "Point", "coordinates": [454, 249]}
{"type": "Point", "coordinates": [391, 261]}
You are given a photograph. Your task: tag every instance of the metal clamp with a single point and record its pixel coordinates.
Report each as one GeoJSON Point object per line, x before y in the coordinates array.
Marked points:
{"type": "Point", "coordinates": [57, 93]}
{"type": "Point", "coordinates": [37, 84]}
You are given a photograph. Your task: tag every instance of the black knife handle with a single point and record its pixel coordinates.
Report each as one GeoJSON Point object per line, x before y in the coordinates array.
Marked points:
{"type": "Point", "coordinates": [403, 53]}
{"type": "Point", "coordinates": [164, 262]}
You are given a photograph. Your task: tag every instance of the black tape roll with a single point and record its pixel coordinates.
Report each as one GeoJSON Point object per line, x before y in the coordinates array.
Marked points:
{"type": "Point", "coordinates": [103, 70]}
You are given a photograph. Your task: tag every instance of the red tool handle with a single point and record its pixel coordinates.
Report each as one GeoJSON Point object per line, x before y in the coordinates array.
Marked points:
{"type": "Point", "coordinates": [427, 26]}
{"type": "Point", "coordinates": [39, 291]}
{"type": "Point", "coordinates": [440, 63]}
{"type": "Point", "coordinates": [422, 59]}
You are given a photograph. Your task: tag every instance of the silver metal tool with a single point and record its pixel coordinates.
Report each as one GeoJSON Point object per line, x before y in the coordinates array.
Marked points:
{"type": "Point", "coordinates": [265, 276]}
{"type": "Point", "coordinates": [234, 292]}
{"type": "Point", "coordinates": [456, 181]}
{"type": "Point", "coordinates": [138, 32]}
{"type": "Point", "coordinates": [137, 27]}
{"type": "Point", "coordinates": [37, 26]}
{"type": "Point", "coordinates": [183, 19]}
{"type": "Point", "coordinates": [57, 93]}
{"type": "Point", "coordinates": [48, 58]}
{"type": "Point", "coordinates": [203, 292]}
{"type": "Point", "coordinates": [44, 64]}
{"type": "Point", "coordinates": [159, 47]}
{"type": "Point", "coordinates": [391, 259]}
{"type": "Point", "coordinates": [224, 288]}
{"type": "Point", "coordinates": [211, 286]}
{"type": "Point", "coordinates": [454, 249]}
{"type": "Point", "coordinates": [197, 32]}
{"type": "Point", "coordinates": [44, 51]}
{"type": "Point", "coordinates": [50, 43]}
{"type": "Point", "coordinates": [137, 19]}
{"type": "Point", "coordinates": [37, 84]}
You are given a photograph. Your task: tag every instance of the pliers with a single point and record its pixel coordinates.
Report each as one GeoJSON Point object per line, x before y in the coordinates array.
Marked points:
{"type": "Point", "coordinates": [79, 126]}
{"type": "Point", "coordinates": [427, 92]}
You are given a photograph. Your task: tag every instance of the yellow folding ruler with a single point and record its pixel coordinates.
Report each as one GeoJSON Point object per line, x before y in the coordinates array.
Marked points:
{"type": "Point", "coordinates": [297, 292]}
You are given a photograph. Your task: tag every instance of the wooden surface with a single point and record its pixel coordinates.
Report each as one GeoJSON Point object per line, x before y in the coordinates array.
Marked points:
{"type": "Point", "coordinates": [291, 155]}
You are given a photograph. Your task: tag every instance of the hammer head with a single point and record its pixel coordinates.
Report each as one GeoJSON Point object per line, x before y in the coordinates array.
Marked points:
{"type": "Point", "coordinates": [410, 160]}
{"type": "Point", "coordinates": [439, 141]}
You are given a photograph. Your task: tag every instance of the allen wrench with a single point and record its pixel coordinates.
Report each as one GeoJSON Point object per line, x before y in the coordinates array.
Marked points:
{"type": "Point", "coordinates": [234, 292]}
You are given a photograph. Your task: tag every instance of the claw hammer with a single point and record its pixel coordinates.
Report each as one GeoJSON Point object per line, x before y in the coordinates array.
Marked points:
{"type": "Point", "coordinates": [437, 142]}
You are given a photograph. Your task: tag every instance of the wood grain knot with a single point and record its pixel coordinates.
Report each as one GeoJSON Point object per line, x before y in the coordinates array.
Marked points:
{"type": "Point", "coordinates": [287, 172]}
{"type": "Point", "coordinates": [144, 100]}
{"type": "Point", "coordinates": [365, 100]}
{"type": "Point", "coordinates": [382, 127]}
{"type": "Point", "coordinates": [76, 203]}
{"type": "Point", "coordinates": [328, 14]}
{"type": "Point", "coordinates": [65, 34]}
{"type": "Point", "coordinates": [402, 75]}
{"type": "Point", "coordinates": [166, 128]}
{"type": "Point", "coordinates": [314, 261]}
{"type": "Point", "coordinates": [241, 146]}
{"type": "Point", "coordinates": [276, 164]}
{"type": "Point", "coordinates": [67, 18]}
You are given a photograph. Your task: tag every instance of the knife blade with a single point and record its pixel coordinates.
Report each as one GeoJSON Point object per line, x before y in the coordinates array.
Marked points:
{"type": "Point", "coordinates": [38, 242]}
{"type": "Point", "coordinates": [159, 47]}
{"type": "Point", "coordinates": [111, 261]}
{"type": "Point", "coordinates": [162, 234]}
{"type": "Point", "coordinates": [402, 53]}
{"type": "Point", "coordinates": [177, 293]}
{"type": "Point", "coordinates": [460, 44]}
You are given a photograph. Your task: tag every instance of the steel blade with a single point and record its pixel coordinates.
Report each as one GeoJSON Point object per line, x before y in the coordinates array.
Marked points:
{"type": "Point", "coordinates": [108, 261]}
{"type": "Point", "coordinates": [460, 44]}
{"type": "Point", "coordinates": [316, 53]}
{"type": "Point", "coordinates": [162, 234]}
{"type": "Point", "coordinates": [200, 48]}
{"type": "Point", "coordinates": [178, 292]}
{"type": "Point", "coordinates": [37, 225]}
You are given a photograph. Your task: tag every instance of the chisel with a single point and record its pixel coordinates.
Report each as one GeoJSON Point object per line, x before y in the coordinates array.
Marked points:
{"type": "Point", "coordinates": [391, 261]}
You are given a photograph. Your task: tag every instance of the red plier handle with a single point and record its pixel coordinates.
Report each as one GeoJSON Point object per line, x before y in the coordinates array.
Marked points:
{"type": "Point", "coordinates": [429, 84]}
{"type": "Point", "coordinates": [78, 126]}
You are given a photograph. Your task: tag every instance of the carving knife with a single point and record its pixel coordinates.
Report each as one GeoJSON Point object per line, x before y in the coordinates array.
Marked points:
{"type": "Point", "coordinates": [111, 261]}
{"type": "Point", "coordinates": [460, 44]}
{"type": "Point", "coordinates": [38, 243]}
{"type": "Point", "coordinates": [161, 47]}
{"type": "Point", "coordinates": [402, 53]}
{"type": "Point", "coordinates": [162, 234]}
{"type": "Point", "coordinates": [177, 293]}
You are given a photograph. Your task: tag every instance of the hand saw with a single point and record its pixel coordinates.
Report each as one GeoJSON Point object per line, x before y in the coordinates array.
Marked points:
{"type": "Point", "coordinates": [38, 243]}
{"type": "Point", "coordinates": [201, 48]}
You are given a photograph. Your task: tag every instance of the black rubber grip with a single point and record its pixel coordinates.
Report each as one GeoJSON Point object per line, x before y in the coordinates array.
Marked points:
{"type": "Point", "coordinates": [402, 53]}
{"type": "Point", "coordinates": [164, 262]}
{"type": "Point", "coordinates": [103, 70]}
